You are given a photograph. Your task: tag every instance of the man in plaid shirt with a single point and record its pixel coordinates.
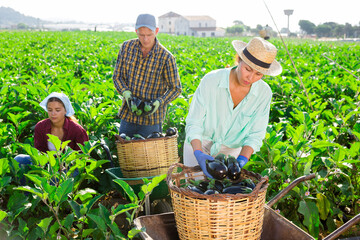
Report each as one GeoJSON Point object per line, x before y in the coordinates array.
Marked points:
{"type": "Point", "coordinates": [147, 70]}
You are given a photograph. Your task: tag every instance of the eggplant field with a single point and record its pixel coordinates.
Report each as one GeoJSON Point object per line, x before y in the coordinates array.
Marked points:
{"type": "Point", "coordinates": [314, 127]}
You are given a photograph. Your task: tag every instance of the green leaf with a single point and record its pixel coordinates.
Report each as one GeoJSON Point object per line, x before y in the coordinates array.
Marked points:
{"type": "Point", "coordinates": [91, 203]}
{"type": "Point", "coordinates": [354, 149]}
{"type": "Point", "coordinates": [4, 166]}
{"type": "Point", "coordinates": [31, 190]}
{"type": "Point", "coordinates": [76, 208]}
{"type": "Point", "coordinates": [133, 232]}
{"type": "Point", "coordinates": [123, 208]}
{"type": "Point", "coordinates": [44, 224]}
{"type": "Point", "coordinates": [55, 140]}
{"type": "Point", "coordinates": [323, 144]}
{"type": "Point", "coordinates": [128, 190]}
{"type": "Point", "coordinates": [311, 216]}
{"type": "Point", "coordinates": [323, 205]}
{"type": "Point", "coordinates": [99, 221]}
{"type": "Point", "coordinates": [63, 190]}
{"type": "Point", "coordinates": [69, 220]}
{"type": "Point", "coordinates": [3, 214]}
{"type": "Point", "coordinates": [87, 232]}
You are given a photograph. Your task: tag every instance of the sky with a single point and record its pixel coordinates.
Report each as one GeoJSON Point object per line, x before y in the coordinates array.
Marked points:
{"type": "Point", "coordinates": [225, 12]}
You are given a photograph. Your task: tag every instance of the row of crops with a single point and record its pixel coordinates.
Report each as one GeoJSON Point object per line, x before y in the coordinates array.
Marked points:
{"type": "Point", "coordinates": [316, 131]}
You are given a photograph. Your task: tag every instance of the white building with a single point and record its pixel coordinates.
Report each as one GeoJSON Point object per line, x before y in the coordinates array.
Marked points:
{"type": "Point", "coordinates": [197, 26]}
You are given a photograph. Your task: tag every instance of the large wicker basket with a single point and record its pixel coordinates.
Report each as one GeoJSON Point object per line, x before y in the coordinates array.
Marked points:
{"type": "Point", "coordinates": [217, 216]}
{"type": "Point", "coordinates": [149, 157]}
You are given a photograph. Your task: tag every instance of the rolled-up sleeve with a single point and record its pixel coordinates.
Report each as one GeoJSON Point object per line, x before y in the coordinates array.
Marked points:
{"type": "Point", "coordinates": [118, 77]}
{"type": "Point", "coordinates": [195, 119]}
{"type": "Point", "coordinates": [260, 122]}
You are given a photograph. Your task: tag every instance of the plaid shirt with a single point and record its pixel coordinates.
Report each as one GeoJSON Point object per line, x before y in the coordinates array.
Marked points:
{"type": "Point", "coordinates": [153, 77]}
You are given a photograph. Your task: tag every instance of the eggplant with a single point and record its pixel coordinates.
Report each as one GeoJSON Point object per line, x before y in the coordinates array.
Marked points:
{"type": "Point", "coordinates": [249, 183]}
{"type": "Point", "coordinates": [211, 191]}
{"type": "Point", "coordinates": [203, 185]}
{"type": "Point", "coordinates": [234, 169]}
{"type": "Point", "coordinates": [124, 136]}
{"type": "Point", "coordinates": [148, 107]}
{"type": "Point", "coordinates": [137, 137]}
{"type": "Point", "coordinates": [195, 189]}
{"type": "Point", "coordinates": [135, 103]}
{"type": "Point", "coordinates": [216, 169]}
{"type": "Point", "coordinates": [237, 189]}
{"type": "Point", "coordinates": [218, 185]}
{"type": "Point", "coordinates": [154, 135]}
{"type": "Point", "coordinates": [171, 131]}
{"type": "Point", "coordinates": [221, 157]}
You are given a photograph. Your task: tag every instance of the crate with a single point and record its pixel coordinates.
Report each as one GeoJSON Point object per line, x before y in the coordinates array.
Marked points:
{"type": "Point", "coordinates": [149, 157]}
{"type": "Point", "coordinates": [217, 216]}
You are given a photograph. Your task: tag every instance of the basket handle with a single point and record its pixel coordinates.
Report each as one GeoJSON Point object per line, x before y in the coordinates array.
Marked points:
{"type": "Point", "coordinates": [288, 188]}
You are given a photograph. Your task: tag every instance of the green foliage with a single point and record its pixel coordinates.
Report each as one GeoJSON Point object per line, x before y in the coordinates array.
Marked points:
{"type": "Point", "coordinates": [319, 134]}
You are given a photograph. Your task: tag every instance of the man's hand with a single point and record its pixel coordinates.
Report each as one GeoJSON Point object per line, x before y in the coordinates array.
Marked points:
{"type": "Point", "coordinates": [242, 160]}
{"type": "Point", "coordinates": [201, 159]}
{"type": "Point", "coordinates": [155, 105]}
{"type": "Point", "coordinates": [127, 96]}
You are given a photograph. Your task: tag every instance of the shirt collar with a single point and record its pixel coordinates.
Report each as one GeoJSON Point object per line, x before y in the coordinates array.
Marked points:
{"type": "Point", "coordinates": [66, 124]}
{"type": "Point", "coordinates": [154, 49]}
{"type": "Point", "coordinates": [224, 83]}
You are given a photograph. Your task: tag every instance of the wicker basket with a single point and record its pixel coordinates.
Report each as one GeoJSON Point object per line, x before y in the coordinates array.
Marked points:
{"type": "Point", "coordinates": [149, 157]}
{"type": "Point", "coordinates": [217, 216]}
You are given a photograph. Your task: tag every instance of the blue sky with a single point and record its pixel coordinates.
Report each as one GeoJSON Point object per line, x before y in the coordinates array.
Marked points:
{"type": "Point", "coordinates": [251, 12]}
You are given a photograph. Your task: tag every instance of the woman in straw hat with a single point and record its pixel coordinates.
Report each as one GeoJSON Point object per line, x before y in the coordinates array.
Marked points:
{"type": "Point", "coordinates": [61, 123]}
{"type": "Point", "coordinates": [230, 108]}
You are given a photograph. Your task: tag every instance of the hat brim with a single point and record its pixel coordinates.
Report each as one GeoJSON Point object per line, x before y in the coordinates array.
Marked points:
{"type": "Point", "coordinates": [147, 26]}
{"type": "Point", "coordinates": [274, 69]}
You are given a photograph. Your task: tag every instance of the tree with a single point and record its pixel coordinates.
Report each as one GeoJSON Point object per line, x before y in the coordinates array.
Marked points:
{"type": "Point", "coordinates": [238, 22]}
{"type": "Point", "coordinates": [349, 30]}
{"type": "Point", "coordinates": [339, 30]}
{"type": "Point", "coordinates": [237, 29]}
{"type": "Point", "coordinates": [307, 26]}
{"type": "Point", "coordinates": [22, 26]}
{"type": "Point", "coordinates": [323, 30]}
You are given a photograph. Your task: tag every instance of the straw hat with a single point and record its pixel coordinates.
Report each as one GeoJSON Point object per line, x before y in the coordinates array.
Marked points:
{"type": "Point", "coordinates": [259, 54]}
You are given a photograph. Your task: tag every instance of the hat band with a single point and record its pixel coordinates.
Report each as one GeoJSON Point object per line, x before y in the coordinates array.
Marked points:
{"type": "Point", "coordinates": [255, 60]}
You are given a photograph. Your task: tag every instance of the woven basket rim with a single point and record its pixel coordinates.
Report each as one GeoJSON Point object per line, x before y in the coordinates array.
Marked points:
{"type": "Point", "coordinates": [260, 187]}
{"type": "Point", "coordinates": [123, 141]}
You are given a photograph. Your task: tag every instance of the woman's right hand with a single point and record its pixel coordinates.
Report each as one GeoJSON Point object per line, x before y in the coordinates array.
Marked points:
{"type": "Point", "coordinates": [201, 159]}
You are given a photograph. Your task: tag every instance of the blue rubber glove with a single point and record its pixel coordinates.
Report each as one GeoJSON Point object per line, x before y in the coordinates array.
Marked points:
{"type": "Point", "coordinates": [201, 159]}
{"type": "Point", "coordinates": [242, 160]}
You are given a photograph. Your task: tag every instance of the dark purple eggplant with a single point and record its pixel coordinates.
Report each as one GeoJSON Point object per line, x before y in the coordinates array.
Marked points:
{"type": "Point", "coordinates": [221, 157]}
{"type": "Point", "coordinates": [203, 185]}
{"type": "Point", "coordinates": [234, 169]}
{"type": "Point", "coordinates": [155, 135]}
{"type": "Point", "coordinates": [211, 191]}
{"type": "Point", "coordinates": [171, 131]}
{"type": "Point", "coordinates": [124, 136]}
{"type": "Point", "coordinates": [237, 189]}
{"type": "Point", "coordinates": [195, 189]}
{"type": "Point", "coordinates": [249, 183]}
{"type": "Point", "coordinates": [137, 137]}
{"type": "Point", "coordinates": [148, 107]}
{"type": "Point", "coordinates": [216, 169]}
{"type": "Point", "coordinates": [135, 103]}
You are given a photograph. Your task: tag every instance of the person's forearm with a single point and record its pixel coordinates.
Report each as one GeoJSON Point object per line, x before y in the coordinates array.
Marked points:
{"type": "Point", "coordinates": [196, 144]}
{"type": "Point", "coordinates": [247, 151]}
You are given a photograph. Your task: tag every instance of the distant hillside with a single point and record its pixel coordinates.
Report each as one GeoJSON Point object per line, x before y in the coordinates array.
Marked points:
{"type": "Point", "coordinates": [9, 17]}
